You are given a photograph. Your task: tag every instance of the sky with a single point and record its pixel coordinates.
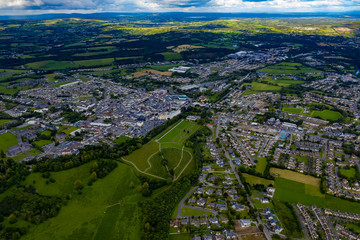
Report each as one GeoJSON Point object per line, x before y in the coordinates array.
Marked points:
{"type": "Point", "coordinates": [24, 7]}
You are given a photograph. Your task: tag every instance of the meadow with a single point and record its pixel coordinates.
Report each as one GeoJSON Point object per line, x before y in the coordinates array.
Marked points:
{"type": "Point", "coordinates": [106, 210]}
{"type": "Point", "coordinates": [167, 145]}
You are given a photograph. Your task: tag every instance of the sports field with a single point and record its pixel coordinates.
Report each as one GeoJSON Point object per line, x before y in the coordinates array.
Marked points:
{"type": "Point", "coordinates": [168, 145]}
{"type": "Point", "coordinates": [295, 176]}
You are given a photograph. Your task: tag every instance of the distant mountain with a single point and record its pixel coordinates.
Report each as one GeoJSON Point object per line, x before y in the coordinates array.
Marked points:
{"type": "Point", "coordinates": [178, 16]}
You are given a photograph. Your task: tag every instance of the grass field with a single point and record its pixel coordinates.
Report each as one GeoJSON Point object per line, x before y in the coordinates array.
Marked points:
{"type": "Point", "coordinates": [121, 139]}
{"type": "Point", "coordinates": [150, 71]}
{"type": "Point", "coordinates": [61, 65]}
{"type": "Point", "coordinates": [295, 176]}
{"type": "Point", "coordinates": [4, 121]}
{"type": "Point", "coordinates": [349, 173]}
{"type": "Point", "coordinates": [182, 236]}
{"type": "Point", "coordinates": [7, 140]}
{"type": "Point", "coordinates": [41, 143]}
{"type": "Point", "coordinates": [169, 56]}
{"type": "Point", "coordinates": [327, 115]}
{"type": "Point", "coordinates": [256, 86]}
{"type": "Point", "coordinates": [67, 129]}
{"type": "Point", "coordinates": [287, 68]}
{"type": "Point", "coordinates": [293, 110]}
{"type": "Point", "coordinates": [252, 180]}
{"type": "Point", "coordinates": [249, 92]}
{"type": "Point", "coordinates": [185, 211]}
{"type": "Point", "coordinates": [261, 165]}
{"type": "Point", "coordinates": [168, 145]}
{"type": "Point", "coordinates": [294, 192]}
{"type": "Point", "coordinates": [106, 210]}
{"type": "Point", "coordinates": [164, 67]}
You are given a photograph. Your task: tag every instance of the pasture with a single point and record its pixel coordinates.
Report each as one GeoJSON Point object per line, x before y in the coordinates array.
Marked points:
{"type": "Point", "coordinates": [294, 192]}
{"type": "Point", "coordinates": [168, 145]}
{"type": "Point", "coordinates": [7, 140]}
{"type": "Point", "coordinates": [295, 176]}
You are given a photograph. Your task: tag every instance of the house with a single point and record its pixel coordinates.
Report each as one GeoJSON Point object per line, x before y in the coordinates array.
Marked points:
{"type": "Point", "coordinates": [184, 221]}
{"type": "Point", "coordinates": [196, 238]}
{"type": "Point", "coordinates": [209, 191]}
{"type": "Point", "coordinates": [245, 222]}
{"type": "Point", "coordinates": [201, 202]}
{"type": "Point", "coordinates": [231, 236]}
{"type": "Point", "coordinates": [224, 220]}
{"type": "Point", "coordinates": [267, 210]}
{"type": "Point", "coordinates": [237, 207]}
{"type": "Point", "coordinates": [264, 200]}
{"type": "Point", "coordinates": [214, 220]}
{"type": "Point", "coordinates": [278, 229]}
{"type": "Point", "coordinates": [221, 207]}
{"type": "Point", "coordinates": [208, 237]}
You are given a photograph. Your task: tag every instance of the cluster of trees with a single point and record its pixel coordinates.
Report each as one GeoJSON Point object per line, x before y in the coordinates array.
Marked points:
{"type": "Point", "coordinates": [24, 202]}
{"type": "Point", "coordinates": [11, 173]}
{"type": "Point", "coordinates": [102, 168]}
{"type": "Point", "coordinates": [72, 116]}
{"type": "Point", "coordinates": [157, 212]}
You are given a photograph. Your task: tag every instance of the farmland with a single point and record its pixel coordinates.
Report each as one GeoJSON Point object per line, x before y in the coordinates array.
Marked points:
{"type": "Point", "coordinates": [168, 146]}
{"type": "Point", "coordinates": [294, 192]}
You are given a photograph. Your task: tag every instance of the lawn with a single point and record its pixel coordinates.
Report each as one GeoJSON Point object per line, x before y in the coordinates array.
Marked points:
{"type": "Point", "coordinates": [34, 152]}
{"type": "Point", "coordinates": [42, 143]}
{"type": "Point", "coordinates": [185, 211]}
{"type": "Point", "coordinates": [7, 140]}
{"type": "Point", "coordinates": [252, 180]}
{"type": "Point", "coordinates": [294, 192]}
{"type": "Point", "coordinates": [180, 133]}
{"type": "Point", "coordinates": [106, 210]}
{"type": "Point", "coordinates": [4, 121]}
{"type": "Point", "coordinates": [293, 110]}
{"type": "Point", "coordinates": [295, 176]}
{"type": "Point", "coordinates": [67, 129]}
{"type": "Point", "coordinates": [249, 92]}
{"type": "Point", "coordinates": [261, 165]}
{"type": "Point", "coordinates": [327, 115]}
{"type": "Point", "coordinates": [121, 139]}
{"type": "Point", "coordinates": [181, 236]}
{"type": "Point", "coordinates": [348, 173]}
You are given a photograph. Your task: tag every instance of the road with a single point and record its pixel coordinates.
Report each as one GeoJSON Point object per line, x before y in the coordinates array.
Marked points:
{"type": "Point", "coordinates": [243, 148]}
{"type": "Point", "coordinates": [181, 205]}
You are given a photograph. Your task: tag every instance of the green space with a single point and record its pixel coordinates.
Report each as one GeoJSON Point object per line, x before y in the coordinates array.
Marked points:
{"type": "Point", "coordinates": [354, 227]}
{"type": "Point", "coordinates": [42, 143]}
{"type": "Point", "coordinates": [164, 67]}
{"type": "Point", "coordinates": [261, 165]}
{"type": "Point", "coordinates": [261, 87]}
{"type": "Point", "coordinates": [294, 192]}
{"type": "Point", "coordinates": [121, 139]}
{"type": "Point", "coordinates": [60, 84]}
{"type": "Point", "coordinates": [287, 68]}
{"type": "Point", "coordinates": [7, 140]}
{"type": "Point", "coordinates": [185, 211]}
{"type": "Point", "coordinates": [168, 145]}
{"type": "Point", "coordinates": [293, 110]}
{"type": "Point", "coordinates": [181, 236]}
{"type": "Point", "coordinates": [253, 180]}
{"type": "Point", "coordinates": [348, 173]}
{"type": "Point", "coordinates": [67, 129]}
{"type": "Point", "coordinates": [61, 65]}
{"type": "Point", "coordinates": [288, 219]}
{"type": "Point", "coordinates": [96, 51]}
{"type": "Point", "coordinates": [4, 121]}
{"type": "Point", "coordinates": [170, 56]}
{"type": "Point", "coordinates": [108, 209]}
{"type": "Point", "coordinates": [249, 92]}
{"type": "Point", "coordinates": [327, 115]}
{"type": "Point", "coordinates": [34, 152]}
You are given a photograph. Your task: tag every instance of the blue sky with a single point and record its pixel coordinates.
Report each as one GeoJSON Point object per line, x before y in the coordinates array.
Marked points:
{"type": "Point", "coordinates": [87, 6]}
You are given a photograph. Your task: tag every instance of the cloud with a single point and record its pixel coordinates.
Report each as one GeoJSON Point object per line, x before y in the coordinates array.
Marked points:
{"type": "Point", "coordinates": [182, 5]}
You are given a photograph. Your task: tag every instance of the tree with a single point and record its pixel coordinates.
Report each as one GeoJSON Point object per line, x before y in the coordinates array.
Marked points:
{"type": "Point", "coordinates": [146, 189]}
{"type": "Point", "coordinates": [131, 185]}
{"type": "Point", "coordinates": [78, 184]}
{"type": "Point", "coordinates": [95, 166]}
{"type": "Point", "coordinates": [93, 176]}
{"type": "Point", "coordinates": [12, 218]}
{"type": "Point", "coordinates": [2, 154]}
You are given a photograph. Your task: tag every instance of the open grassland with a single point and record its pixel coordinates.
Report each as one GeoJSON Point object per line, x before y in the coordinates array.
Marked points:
{"type": "Point", "coordinates": [106, 210]}
{"type": "Point", "coordinates": [349, 173]}
{"type": "Point", "coordinates": [294, 192]}
{"type": "Point", "coordinates": [287, 68]}
{"type": "Point", "coordinates": [327, 115]}
{"type": "Point", "coordinates": [261, 165]}
{"type": "Point", "coordinates": [262, 87]}
{"type": "Point", "coordinates": [295, 176]}
{"type": "Point", "coordinates": [168, 145]}
{"type": "Point", "coordinates": [7, 140]}
{"type": "Point", "coordinates": [252, 180]}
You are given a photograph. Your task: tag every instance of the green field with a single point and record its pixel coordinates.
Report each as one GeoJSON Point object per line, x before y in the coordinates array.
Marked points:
{"type": "Point", "coordinates": [34, 152]}
{"type": "Point", "coordinates": [169, 56]}
{"type": "Point", "coordinates": [67, 129]}
{"type": "Point", "coordinates": [287, 68]}
{"type": "Point", "coordinates": [168, 145]}
{"type": "Point", "coordinates": [185, 211]}
{"type": "Point", "coordinates": [7, 140]}
{"type": "Point", "coordinates": [294, 192]}
{"type": "Point", "coordinates": [293, 110]}
{"type": "Point", "coordinates": [252, 180]}
{"type": "Point", "coordinates": [121, 139]}
{"type": "Point", "coordinates": [327, 115]}
{"type": "Point", "coordinates": [349, 173]}
{"type": "Point", "coordinates": [164, 67]}
{"type": "Point", "coordinates": [4, 121]}
{"type": "Point", "coordinates": [61, 65]}
{"type": "Point", "coordinates": [261, 165]}
{"type": "Point", "coordinates": [182, 236]}
{"type": "Point", "coordinates": [261, 87]}
{"type": "Point", "coordinates": [42, 143]}
{"type": "Point", "coordinates": [106, 210]}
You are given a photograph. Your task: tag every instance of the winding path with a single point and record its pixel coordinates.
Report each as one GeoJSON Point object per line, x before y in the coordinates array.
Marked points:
{"type": "Point", "coordinates": [137, 169]}
{"type": "Point", "coordinates": [185, 166]}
